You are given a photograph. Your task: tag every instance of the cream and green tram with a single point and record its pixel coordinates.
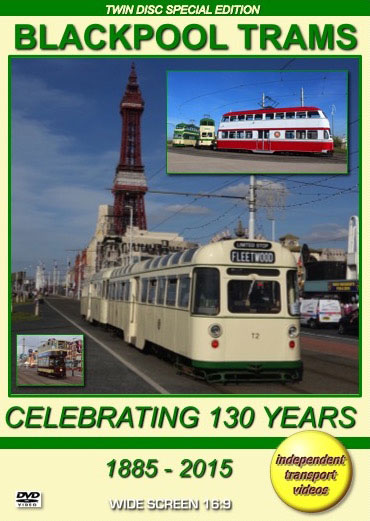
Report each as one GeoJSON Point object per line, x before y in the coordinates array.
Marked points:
{"type": "Point", "coordinates": [207, 136]}
{"type": "Point", "coordinates": [185, 135]}
{"type": "Point", "coordinates": [227, 311]}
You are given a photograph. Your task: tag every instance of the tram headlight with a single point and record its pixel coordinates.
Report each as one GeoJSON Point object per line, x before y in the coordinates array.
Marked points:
{"type": "Point", "coordinates": [293, 332]}
{"type": "Point", "coordinates": [215, 330]}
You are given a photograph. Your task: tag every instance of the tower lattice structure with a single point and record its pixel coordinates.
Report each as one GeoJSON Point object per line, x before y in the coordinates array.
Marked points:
{"type": "Point", "coordinates": [130, 185]}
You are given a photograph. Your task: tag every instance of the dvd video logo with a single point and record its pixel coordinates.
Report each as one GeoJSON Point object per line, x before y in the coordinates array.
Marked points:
{"type": "Point", "coordinates": [28, 499]}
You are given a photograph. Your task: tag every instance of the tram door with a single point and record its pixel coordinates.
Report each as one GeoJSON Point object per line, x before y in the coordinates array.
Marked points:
{"type": "Point", "coordinates": [263, 141]}
{"type": "Point", "coordinates": [133, 311]}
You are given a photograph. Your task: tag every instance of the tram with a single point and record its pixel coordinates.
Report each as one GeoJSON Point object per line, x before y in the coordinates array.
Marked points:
{"type": "Point", "coordinates": [271, 130]}
{"type": "Point", "coordinates": [226, 311]}
{"type": "Point", "coordinates": [206, 133]}
{"type": "Point", "coordinates": [52, 363]}
{"type": "Point", "coordinates": [185, 134]}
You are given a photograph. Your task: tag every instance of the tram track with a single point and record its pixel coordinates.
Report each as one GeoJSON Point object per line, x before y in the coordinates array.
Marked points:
{"type": "Point", "coordinates": [297, 158]}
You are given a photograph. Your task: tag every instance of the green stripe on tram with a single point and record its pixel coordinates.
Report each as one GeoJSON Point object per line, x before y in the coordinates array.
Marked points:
{"type": "Point", "coordinates": [247, 365]}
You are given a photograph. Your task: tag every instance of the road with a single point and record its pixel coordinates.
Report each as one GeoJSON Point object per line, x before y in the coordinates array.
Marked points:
{"type": "Point", "coordinates": [114, 367]}
{"type": "Point", "coordinates": [29, 376]}
{"type": "Point", "coordinates": [192, 160]}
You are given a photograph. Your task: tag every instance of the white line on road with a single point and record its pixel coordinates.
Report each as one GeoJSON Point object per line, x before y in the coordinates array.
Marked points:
{"type": "Point", "coordinates": [120, 358]}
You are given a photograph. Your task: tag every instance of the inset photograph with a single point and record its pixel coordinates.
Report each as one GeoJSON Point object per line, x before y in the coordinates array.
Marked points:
{"type": "Point", "coordinates": [257, 122]}
{"type": "Point", "coordinates": [50, 360]}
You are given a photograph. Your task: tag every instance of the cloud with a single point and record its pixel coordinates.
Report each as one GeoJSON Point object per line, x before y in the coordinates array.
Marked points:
{"type": "Point", "coordinates": [269, 194]}
{"type": "Point", "coordinates": [326, 232]}
{"type": "Point", "coordinates": [241, 189]}
{"type": "Point", "coordinates": [190, 209]}
{"type": "Point", "coordinates": [56, 191]}
{"type": "Point", "coordinates": [32, 93]}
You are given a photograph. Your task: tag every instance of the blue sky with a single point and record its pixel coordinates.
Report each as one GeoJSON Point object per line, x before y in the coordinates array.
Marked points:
{"type": "Point", "coordinates": [33, 341]}
{"type": "Point", "coordinates": [65, 146]}
{"type": "Point", "coordinates": [191, 94]}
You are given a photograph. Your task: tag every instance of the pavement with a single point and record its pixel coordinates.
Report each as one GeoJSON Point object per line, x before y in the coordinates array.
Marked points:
{"type": "Point", "coordinates": [186, 161]}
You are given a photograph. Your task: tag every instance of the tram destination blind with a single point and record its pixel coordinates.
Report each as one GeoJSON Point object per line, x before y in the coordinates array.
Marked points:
{"type": "Point", "coordinates": [252, 257]}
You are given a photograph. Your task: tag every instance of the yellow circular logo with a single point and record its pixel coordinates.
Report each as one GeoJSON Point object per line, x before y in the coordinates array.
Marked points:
{"type": "Point", "coordinates": [311, 471]}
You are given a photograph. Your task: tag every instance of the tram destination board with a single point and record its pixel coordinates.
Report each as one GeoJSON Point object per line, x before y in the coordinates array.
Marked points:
{"type": "Point", "coordinates": [253, 245]}
{"type": "Point", "coordinates": [252, 257]}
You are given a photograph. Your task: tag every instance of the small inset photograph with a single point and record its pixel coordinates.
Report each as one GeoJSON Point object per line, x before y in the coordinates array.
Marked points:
{"type": "Point", "coordinates": [267, 121]}
{"type": "Point", "coordinates": [50, 360]}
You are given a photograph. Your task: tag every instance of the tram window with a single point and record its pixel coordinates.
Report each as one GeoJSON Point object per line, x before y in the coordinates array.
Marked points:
{"type": "Point", "coordinates": [240, 134]}
{"type": "Point", "coordinates": [326, 134]}
{"type": "Point", "coordinates": [121, 289]}
{"type": "Point", "coordinates": [301, 115]}
{"type": "Point", "coordinates": [313, 114]}
{"type": "Point", "coordinates": [249, 117]}
{"type": "Point", "coordinates": [225, 118]}
{"type": "Point", "coordinates": [293, 292]}
{"type": "Point", "coordinates": [301, 134]}
{"type": "Point", "coordinates": [189, 254]}
{"type": "Point", "coordinates": [171, 292]}
{"type": "Point", "coordinates": [248, 134]}
{"type": "Point", "coordinates": [152, 288]}
{"type": "Point", "coordinates": [232, 118]}
{"type": "Point", "coordinates": [257, 116]}
{"type": "Point", "coordinates": [166, 259]}
{"type": "Point", "coordinates": [241, 117]}
{"type": "Point", "coordinates": [231, 135]}
{"type": "Point", "coordinates": [161, 290]}
{"type": "Point", "coordinates": [206, 291]}
{"type": "Point", "coordinates": [144, 289]}
{"type": "Point", "coordinates": [184, 292]}
{"type": "Point", "coordinates": [253, 296]}
{"type": "Point", "coordinates": [263, 134]}
{"type": "Point", "coordinates": [279, 115]}
{"type": "Point", "coordinates": [270, 115]}
{"type": "Point", "coordinates": [256, 271]}
{"type": "Point", "coordinates": [127, 291]}
{"type": "Point", "coordinates": [175, 259]}
{"type": "Point", "coordinates": [312, 134]}
{"type": "Point", "coordinates": [156, 262]}
{"type": "Point", "coordinates": [290, 115]}
{"type": "Point", "coordinates": [204, 134]}
{"type": "Point", "coordinates": [210, 134]}
{"type": "Point", "coordinates": [289, 134]}
{"type": "Point", "coordinates": [224, 135]}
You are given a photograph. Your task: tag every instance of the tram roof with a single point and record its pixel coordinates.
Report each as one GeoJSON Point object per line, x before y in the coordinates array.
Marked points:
{"type": "Point", "coordinates": [207, 121]}
{"type": "Point", "coordinates": [186, 125]}
{"type": "Point", "coordinates": [270, 110]}
{"type": "Point", "coordinates": [218, 253]}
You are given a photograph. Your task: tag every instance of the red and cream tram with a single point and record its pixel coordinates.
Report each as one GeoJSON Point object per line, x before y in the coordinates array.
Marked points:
{"type": "Point", "coordinates": [269, 130]}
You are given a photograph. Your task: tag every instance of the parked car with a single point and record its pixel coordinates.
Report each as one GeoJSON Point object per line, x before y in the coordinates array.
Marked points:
{"type": "Point", "coordinates": [349, 323]}
{"type": "Point", "coordinates": [317, 312]}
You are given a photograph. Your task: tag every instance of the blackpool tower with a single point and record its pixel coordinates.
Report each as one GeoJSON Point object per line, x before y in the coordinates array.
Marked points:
{"type": "Point", "coordinates": [129, 185]}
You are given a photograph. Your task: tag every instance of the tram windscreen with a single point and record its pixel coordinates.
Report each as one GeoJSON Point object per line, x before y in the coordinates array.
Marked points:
{"type": "Point", "coordinates": [253, 296]}
{"type": "Point", "coordinates": [207, 291]}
